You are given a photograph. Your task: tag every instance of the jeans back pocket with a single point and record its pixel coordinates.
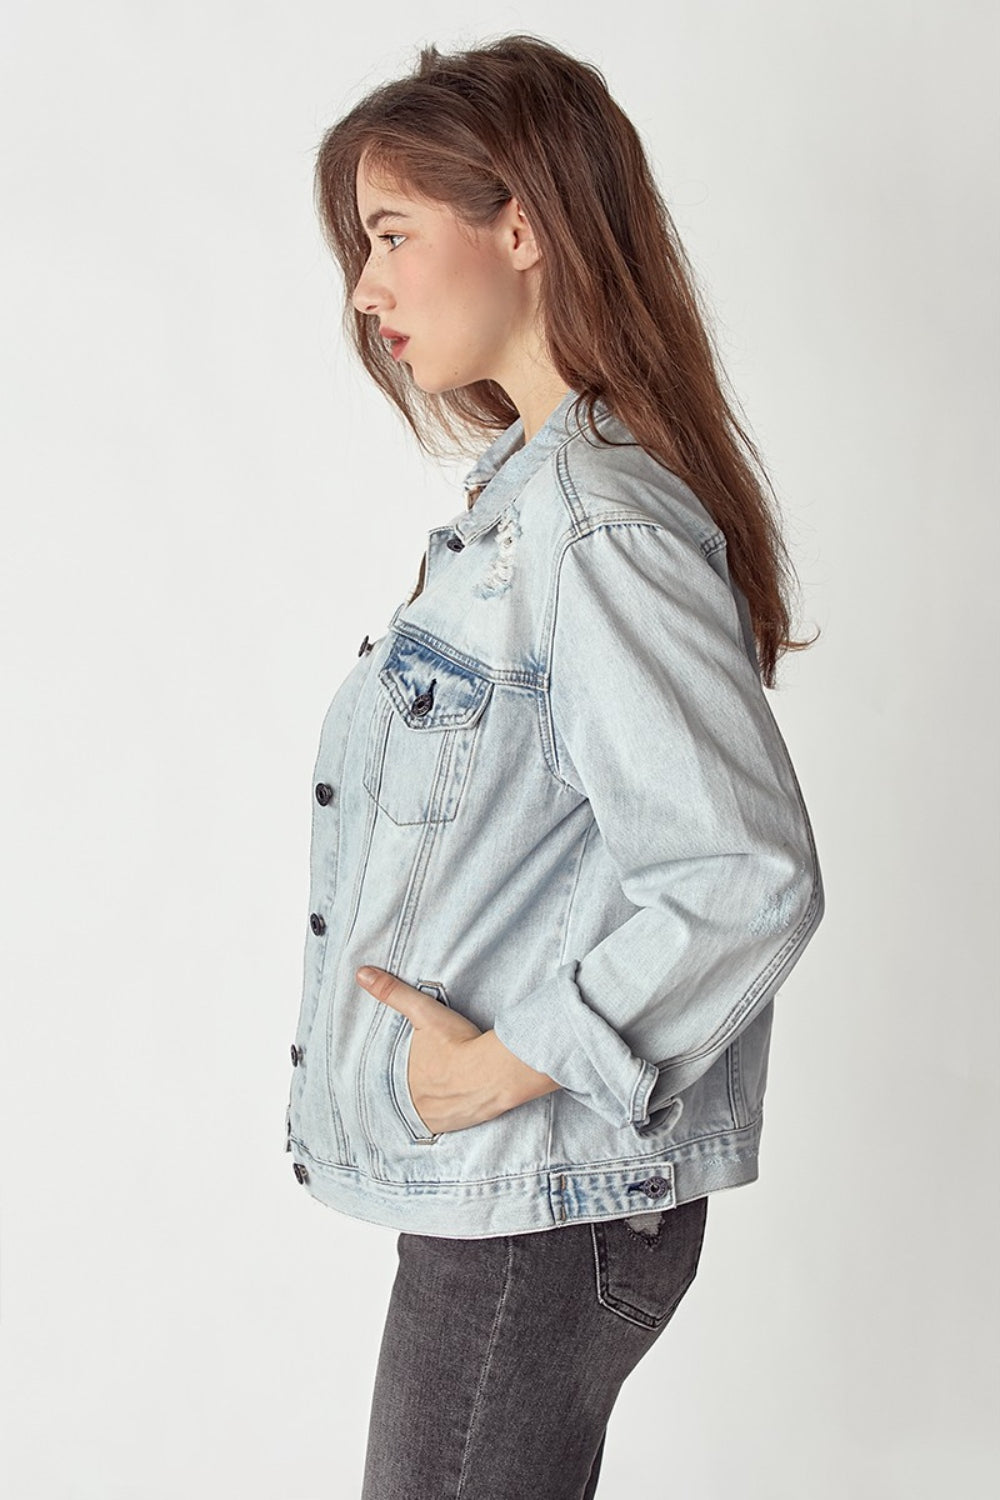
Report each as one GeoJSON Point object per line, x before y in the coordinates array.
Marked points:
{"type": "Point", "coordinates": [645, 1263]}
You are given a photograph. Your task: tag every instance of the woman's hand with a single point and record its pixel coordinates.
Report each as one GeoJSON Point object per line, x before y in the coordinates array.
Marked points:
{"type": "Point", "coordinates": [457, 1075]}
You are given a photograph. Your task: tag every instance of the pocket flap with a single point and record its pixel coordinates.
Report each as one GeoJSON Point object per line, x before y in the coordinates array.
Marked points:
{"type": "Point", "coordinates": [430, 691]}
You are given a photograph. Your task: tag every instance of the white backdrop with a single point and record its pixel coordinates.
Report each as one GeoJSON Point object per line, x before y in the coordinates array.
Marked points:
{"type": "Point", "coordinates": [206, 507]}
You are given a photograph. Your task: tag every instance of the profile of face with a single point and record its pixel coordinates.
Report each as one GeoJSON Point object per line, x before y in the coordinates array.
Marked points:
{"type": "Point", "coordinates": [465, 299]}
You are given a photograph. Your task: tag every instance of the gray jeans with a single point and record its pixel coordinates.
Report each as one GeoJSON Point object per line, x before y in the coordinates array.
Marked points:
{"type": "Point", "coordinates": [502, 1358]}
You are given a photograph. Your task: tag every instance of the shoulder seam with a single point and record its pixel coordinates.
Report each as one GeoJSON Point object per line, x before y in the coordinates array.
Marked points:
{"type": "Point", "coordinates": [706, 541]}
{"type": "Point", "coordinates": [707, 546]}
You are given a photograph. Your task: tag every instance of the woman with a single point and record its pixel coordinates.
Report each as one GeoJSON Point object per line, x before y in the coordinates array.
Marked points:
{"type": "Point", "coordinates": [560, 859]}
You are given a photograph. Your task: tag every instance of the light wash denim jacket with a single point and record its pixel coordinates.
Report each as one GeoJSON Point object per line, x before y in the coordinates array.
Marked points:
{"type": "Point", "coordinates": [554, 797]}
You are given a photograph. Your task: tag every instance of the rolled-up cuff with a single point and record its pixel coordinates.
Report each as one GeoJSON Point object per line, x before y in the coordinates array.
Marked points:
{"type": "Point", "coordinates": [555, 1031]}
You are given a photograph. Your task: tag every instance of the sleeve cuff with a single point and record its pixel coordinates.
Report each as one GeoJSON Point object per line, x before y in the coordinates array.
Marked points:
{"type": "Point", "coordinates": [556, 1032]}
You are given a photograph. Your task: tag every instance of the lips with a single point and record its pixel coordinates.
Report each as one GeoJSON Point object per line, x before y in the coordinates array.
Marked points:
{"type": "Point", "coordinates": [396, 341]}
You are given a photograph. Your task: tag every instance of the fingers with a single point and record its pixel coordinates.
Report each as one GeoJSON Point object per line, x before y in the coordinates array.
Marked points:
{"type": "Point", "coordinates": [393, 991]}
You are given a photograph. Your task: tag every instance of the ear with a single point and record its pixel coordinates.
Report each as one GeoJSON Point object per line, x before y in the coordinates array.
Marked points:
{"type": "Point", "coordinates": [521, 237]}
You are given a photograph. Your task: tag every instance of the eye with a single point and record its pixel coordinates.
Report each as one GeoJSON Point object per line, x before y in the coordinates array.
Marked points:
{"type": "Point", "coordinates": [391, 237]}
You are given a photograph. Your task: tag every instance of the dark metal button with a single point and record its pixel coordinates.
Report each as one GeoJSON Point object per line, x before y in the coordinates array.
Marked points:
{"type": "Point", "coordinates": [324, 793]}
{"type": "Point", "coordinates": [455, 543]}
{"type": "Point", "coordinates": [317, 924]}
{"type": "Point", "coordinates": [423, 702]}
{"type": "Point", "coordinates": [366, 645]}
{"type": "Point", "coordinates": [301, 1175]}
{"type": "Point", "coordinates": [657, 1186]}
{"type": "Point", "coordinates": [296, 1055]}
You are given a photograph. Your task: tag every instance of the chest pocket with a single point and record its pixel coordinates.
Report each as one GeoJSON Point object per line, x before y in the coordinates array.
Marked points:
{"type": "Point", "coordinates": [422, 733]}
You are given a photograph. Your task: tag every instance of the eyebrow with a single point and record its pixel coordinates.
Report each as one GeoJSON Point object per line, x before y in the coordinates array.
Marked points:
{"type": "Point", "coordinates": [384, 213]}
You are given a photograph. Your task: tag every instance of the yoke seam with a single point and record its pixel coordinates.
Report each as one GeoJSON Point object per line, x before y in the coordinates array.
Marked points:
{"type": "Point", "coordinates": [570, 539]}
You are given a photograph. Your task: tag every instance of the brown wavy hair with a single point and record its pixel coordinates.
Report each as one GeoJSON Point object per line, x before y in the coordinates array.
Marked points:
{"type": "Point", "coordinates": [517, 116]}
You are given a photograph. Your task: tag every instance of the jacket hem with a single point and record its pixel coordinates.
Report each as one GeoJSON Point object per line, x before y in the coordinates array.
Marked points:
{"type": "Point", "coordinates": [529, 1202]}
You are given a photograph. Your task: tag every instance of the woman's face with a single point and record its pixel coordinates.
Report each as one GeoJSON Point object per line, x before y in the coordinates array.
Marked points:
{"type": "Point", "coordinates": [461, 296]}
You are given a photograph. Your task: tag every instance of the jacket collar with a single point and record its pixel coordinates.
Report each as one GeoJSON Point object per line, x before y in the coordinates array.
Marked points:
{"type": "Point", "coordinates": [502, 471]}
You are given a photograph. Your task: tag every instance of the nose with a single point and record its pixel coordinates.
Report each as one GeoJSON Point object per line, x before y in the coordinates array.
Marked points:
{"type": "Point", "coordinates": [366, 295]}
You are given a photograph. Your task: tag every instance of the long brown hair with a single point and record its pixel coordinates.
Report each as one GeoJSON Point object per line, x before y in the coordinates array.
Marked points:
{"type": "Point", "coordinates": [518, 116]}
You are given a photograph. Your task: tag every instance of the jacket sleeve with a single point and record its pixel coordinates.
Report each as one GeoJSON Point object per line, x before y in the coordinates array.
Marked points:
{"type": "Point", "coordinates": [659, 719]}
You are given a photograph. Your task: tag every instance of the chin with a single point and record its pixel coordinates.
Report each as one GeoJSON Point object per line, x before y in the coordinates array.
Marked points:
{"type": "Point", "coordinates": [427, 382]}
{"type": "Point", "coordinates": [437, 386]}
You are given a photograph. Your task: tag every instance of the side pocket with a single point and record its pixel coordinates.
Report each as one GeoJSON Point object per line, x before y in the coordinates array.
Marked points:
{"type": "Point", "coordinates": [399, 1057]}
{"type": "Point", "coordinates": [645, 1263]}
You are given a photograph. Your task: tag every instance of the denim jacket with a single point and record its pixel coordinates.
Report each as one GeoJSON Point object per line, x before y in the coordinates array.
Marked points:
{"type": "Point", "coordinates": [553, 796]}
